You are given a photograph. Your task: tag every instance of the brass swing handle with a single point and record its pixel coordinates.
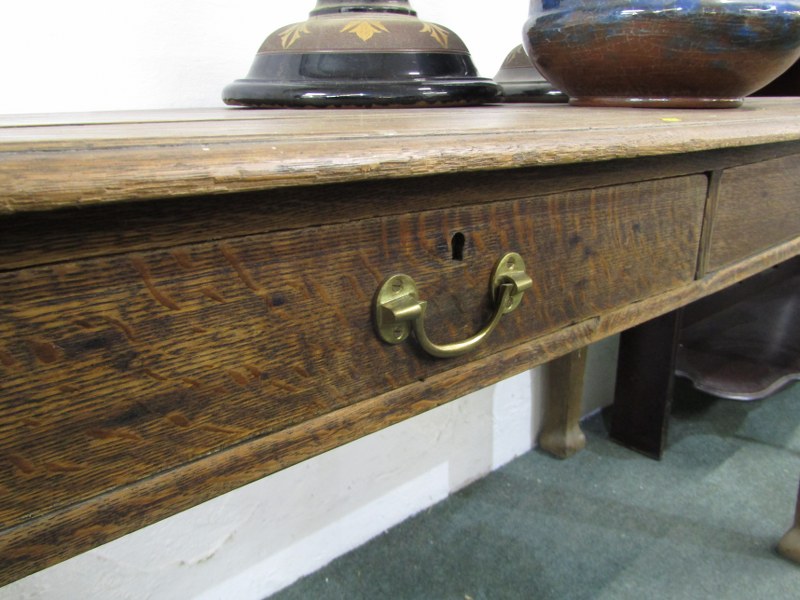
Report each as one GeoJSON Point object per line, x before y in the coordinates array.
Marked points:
{"type": "Point", "coordinates": [398, 311]}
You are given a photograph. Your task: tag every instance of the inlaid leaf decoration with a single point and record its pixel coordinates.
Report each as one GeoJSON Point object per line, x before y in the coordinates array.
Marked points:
{"type": "Point", "coordinates": [292, 33]}
{"type": "Point", "coordinates": [364, 29]}
{"type": "Point", "coordinates": [440, 34]}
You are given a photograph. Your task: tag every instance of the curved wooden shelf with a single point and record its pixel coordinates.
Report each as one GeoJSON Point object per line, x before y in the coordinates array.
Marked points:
{"type": "Point", "coordinates": [749, 350]}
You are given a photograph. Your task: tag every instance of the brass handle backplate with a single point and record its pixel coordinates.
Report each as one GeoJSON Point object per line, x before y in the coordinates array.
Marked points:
{"type": "Point", "coordinates": [398, 311]}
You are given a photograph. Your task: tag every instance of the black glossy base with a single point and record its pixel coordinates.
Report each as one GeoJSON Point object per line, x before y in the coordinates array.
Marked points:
{"type": "Point", "coordinates": [265, 94]}
{"type": "Point", "coordinates": [533, 92]}
{"type": "Point", "coordinates": [352, 79]}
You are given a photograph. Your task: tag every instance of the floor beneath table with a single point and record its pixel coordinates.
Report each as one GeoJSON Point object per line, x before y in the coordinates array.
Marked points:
{"type": "Point", "coordinates": [607, 523]}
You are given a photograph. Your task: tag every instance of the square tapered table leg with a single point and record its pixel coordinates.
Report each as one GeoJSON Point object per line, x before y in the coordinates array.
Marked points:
{"type": "Point", "coordinates": [561, 432]}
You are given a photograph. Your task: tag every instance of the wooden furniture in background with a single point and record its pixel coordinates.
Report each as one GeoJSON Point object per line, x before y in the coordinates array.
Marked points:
{"type": "Point", "coordinates": [742, 343]}
{"type": "Point", "coordinates": [739, 343]}
{"type": "Point", "coordinates": [185, 297]}
{"type": "Point", "coordinates": [751, 207]}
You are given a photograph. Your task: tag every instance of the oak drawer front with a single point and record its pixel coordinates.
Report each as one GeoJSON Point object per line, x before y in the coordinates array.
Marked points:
{"type": "Point", "coordinates": [122, 368]}
{"type": "Point", "coordinates": [758, 207]}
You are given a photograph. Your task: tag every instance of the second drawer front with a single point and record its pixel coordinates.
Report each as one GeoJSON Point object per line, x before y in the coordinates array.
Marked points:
{"type": "Point", "coordinates": [758, 207]}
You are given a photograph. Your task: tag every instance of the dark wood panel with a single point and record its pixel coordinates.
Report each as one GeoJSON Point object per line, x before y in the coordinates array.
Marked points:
{"type": "Point", "coordinates": [645, 378]}
{"type": "Point", "coordinates": [758, 206]}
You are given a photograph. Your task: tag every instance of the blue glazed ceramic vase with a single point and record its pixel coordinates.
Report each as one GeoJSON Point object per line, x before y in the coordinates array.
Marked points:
{"type": "Point", "coordinates": [653, 53]}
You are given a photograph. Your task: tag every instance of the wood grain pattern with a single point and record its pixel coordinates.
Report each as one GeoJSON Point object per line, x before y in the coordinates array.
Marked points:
{"type": "Point", "coordinates": [275, 149]}
{"type": "Point", "coordinates": [757, 207]}
{"type": "Point", "coordinates": [154, 354]}
{"type": "Point", "coordinates": [78, 527]}
{"type": "Point", "coordinates": [29, 239]}
{"type": "Point", "coordinates": [184, 352]}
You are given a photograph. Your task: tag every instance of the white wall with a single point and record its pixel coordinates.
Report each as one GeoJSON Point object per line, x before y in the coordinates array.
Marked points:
{"type": "Point", "coordinates": [82, 55]}
{"type": "Point", "coordinates": [77, 55]}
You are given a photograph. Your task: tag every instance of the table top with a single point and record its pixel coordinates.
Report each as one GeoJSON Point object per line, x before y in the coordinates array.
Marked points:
{"type": "Point", "coordinates": [62, 160]}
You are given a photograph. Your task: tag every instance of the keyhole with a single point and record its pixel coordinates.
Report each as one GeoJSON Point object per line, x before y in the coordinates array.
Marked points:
{"type": "Point", "coordinates": [457, 244]}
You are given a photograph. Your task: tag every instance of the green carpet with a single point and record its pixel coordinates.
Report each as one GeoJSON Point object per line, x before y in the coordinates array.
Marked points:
{"type": "Point", "coordinates": [607, 523]}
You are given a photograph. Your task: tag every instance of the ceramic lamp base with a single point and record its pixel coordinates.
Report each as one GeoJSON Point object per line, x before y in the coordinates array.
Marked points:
{"type": "Point", "coordinates": [520, 81]}
{"type": "Point", "coordinates": [362, 54]}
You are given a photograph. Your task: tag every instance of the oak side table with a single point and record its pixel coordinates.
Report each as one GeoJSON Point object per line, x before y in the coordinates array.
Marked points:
{"type": "Point", "coordinates": [191, 300]}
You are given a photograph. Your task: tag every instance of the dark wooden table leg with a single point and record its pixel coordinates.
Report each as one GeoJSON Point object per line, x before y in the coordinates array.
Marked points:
{"type": "Point", "coordinates": [789, 545]}
{"type": "Point", "coordinates": [561, 432]}
{"type": "Point", "coordinates": [645, 375]}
